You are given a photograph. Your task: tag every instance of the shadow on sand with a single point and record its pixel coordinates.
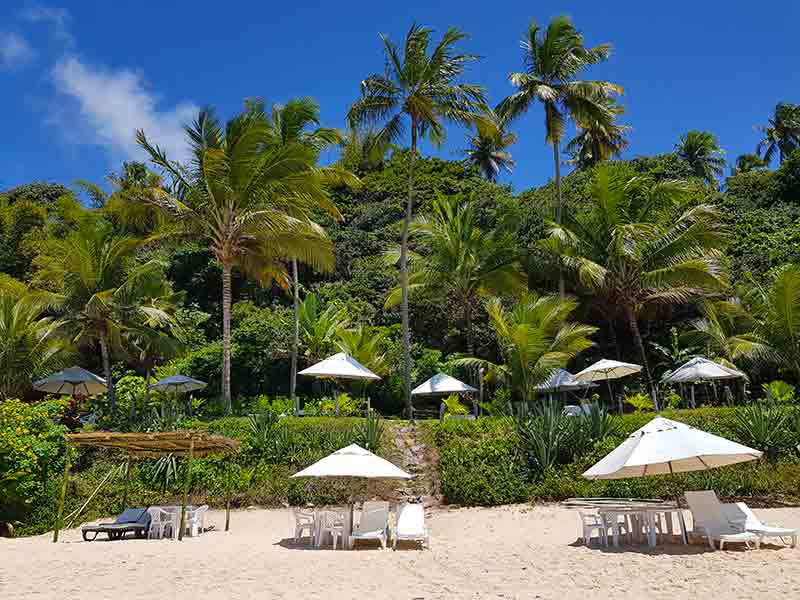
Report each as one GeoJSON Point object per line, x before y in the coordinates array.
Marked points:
{"type": "Point", "coordinates": [305, 544]}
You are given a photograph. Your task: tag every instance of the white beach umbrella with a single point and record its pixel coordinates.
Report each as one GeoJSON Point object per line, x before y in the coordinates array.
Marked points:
{"type": "Point", "coordinates": [353, 461]}
{"type": "Point", "coordinates": [441, 383]}
{"type": "Point", "coordinates": [663, 447]}
{"type": "Point", "coordinates": [340, 366]}
{"type": "Point", "coordinates": [605, 369]}
{"type": "Point", "coordinates": [701, 369]}
{"type": "Point", "coordinates": [73, 381]}
{"type": "Point", "coordinates": [178, 384]}
{"type": "Point", "coordinates": [561, 380]}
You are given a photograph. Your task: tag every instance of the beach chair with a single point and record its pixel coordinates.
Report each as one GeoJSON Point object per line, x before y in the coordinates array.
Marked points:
{"type": "Point", "coordinates": [196, 520]}
{"type": "Point", "coordinates": [591, 522]}
{"type": "Point", "coordinates": [410, 525]}
{"type": "Point", "coordinates": [752, 524]}
{"type": "Point", "coordinates": [163, 523]}
{"type": "Point", "coordinates": [135, 520]}
{"type": "Point", "coordinates": [713, 522]}
{"type": "Point", "coordinates": [332, 524]}
{"type": "Point", "coordinates": [373, 525]}
{"type": "Point", "coordinates": [304, 521]}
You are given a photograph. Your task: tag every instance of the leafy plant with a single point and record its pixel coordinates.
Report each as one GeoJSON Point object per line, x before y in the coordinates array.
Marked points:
{"type": "Point", "coordinates": [165, 472]}
{"type": "Point", "coordinates": [453, 406]}
{"type": "Point", "coordinates": [596, 425]}
{"type": "Point", "coordinates": [763, 426]}
{"type": "Point", "coordinates": [641, 402]}
{"type": "Point", "coordinates": [546, 436]}
{"type": "Point", "coordinates": [369, 433]}
{"type": "Point", "coordinates": [779, 392]}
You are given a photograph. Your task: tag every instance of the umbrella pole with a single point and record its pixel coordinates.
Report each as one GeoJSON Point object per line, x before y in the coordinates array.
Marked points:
{"type": "Point", "coordinates": [611, 395]}
{"type": "Point", "coordinates": [693, 404]}
{"type": "Point", "coordinates": [62, 494]}
{"type": "Point", "coordinates": [126, 482]}
{"type": "Point", "coordinates": [185, 498]}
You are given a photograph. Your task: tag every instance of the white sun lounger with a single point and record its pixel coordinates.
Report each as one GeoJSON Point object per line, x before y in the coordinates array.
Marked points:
{"type": "Point", "coordinates": [410, 525]}
{"type": "Point", "coordinates": [711, 520]}
{"type": "Point", "coordinates": [740, 510]}
{"type": "Point", "coordinates": [373, 525]}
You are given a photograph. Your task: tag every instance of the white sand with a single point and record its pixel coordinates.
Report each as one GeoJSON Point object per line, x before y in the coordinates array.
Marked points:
{"type": "Point", "coordinates": [510, 552]}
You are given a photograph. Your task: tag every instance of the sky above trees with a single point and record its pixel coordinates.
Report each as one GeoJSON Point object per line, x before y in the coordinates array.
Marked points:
{"type": "Point", "coordinates": [79, 78]}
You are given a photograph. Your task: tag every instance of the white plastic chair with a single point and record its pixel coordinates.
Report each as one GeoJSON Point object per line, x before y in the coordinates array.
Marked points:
{"type": "Point", "coordinates": [373, 525]}
{"type": "Point", "coordinates": [196, 521]}
{"type": "Point", "coordinates": [332, 524]}
{"type": "Point", "coordinates": [410, 525]}
{"type": "Point", "coordinates": [711, 520]}
{"type": "Point", "coordinates": [591, 522]}
{"type": "Point", "coordinates": [617, 523]}
{"type": "Point", "coordinates": [160, 522]}
{"type": "Point", "coordinates": [752, 524]}
{"type": "Point", "coordinates": [304, 521]}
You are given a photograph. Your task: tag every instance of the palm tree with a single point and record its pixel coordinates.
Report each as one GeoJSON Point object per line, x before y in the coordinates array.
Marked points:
{"type": "Point", "coordinates": [362, 151]}
{"type": "Point", "coordinates": [462, 261]}
{"type": "Point", "coordinates": [102, 291]}
{"type": "Point", "coordinates": [634, 248]}
{"type": "Point", "coordinates": [747, 163]}
{"type": "Point", "coordinates": [535, 338]}
{"type": "Point", "coordinates": [367, 345]}
{"type": "Point", "coordinates": [782, 135]}
{"type": "Point", "coordinates": [320, 327]}
{"type": "Point", "coordinates": [488, 147]}
{"type": "Point", "coordinates": [701, 150]}
{"type": "Point", "coordinates": [553, 60]}
{"type": "Point", "coordinates": [417, 87]}
{"type": "Point", "coordinates": [599, 137]}
{"type": "Point", "coordinates": [31, 343]}
{"type": "Point", "coordinates": [250, 198]}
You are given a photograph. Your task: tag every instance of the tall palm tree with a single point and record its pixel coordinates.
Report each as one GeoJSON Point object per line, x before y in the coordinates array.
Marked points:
{"type": "Point", "coordinates": [362, 151]}
{"type": "Point", "coordinates": [747, 163]}
{"type": "Point", "coordinates": [553, 59]}
{"type": "Point", "coordinates": [782, 134]}
{"type": "Point", "coordinates": [31, 343]}
{"type": "Point", "coordinates": [535, 338]}
{"type": "Point", "coordinates": [701, 150]}
{"type": "Point", "coordinates": [418, 88]}
{"type": "Point", "coordinates": [634, 248]}
{"type": "Point", "coordinates": [250, 198]}
{"type": "Point", "coordinates": [600, 137]}
{"type": "Point", "coordinates": [488, 146]}
{"type": "Point", "coordinates": [462, 261]}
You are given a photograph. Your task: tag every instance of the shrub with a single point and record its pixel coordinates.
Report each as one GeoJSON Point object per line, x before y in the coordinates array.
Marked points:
{"type": "Point", "coordinates": [765, 427]}
{"type": "Point", "coordinates": [453, 406]}
{"type": "Point", "coordinates": [369, 434]}
{"type": "Point", "coordinates": [779, 392]}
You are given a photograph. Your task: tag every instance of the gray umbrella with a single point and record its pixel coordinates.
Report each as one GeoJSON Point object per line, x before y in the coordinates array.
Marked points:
{"type": "Point", "coordinates": [74, 381]}
{"type": "Point", "coordinates": [178, 384]}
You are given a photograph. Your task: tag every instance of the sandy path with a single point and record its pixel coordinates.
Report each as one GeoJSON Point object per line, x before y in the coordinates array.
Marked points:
{"type": "Point", "coordinates": [509, 552]}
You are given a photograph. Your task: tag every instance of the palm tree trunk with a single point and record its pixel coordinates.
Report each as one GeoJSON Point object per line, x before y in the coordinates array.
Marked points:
{"type": "Point", "coordinates": [637, 340]}
{"type": "Point", "coordinates": [226, 338]}
{"type": "Point", "coordinates": [107, 373]}
{"type": "Point", "coordinates": [404, 271]}
{"type": "Point", "coordinates": [561, 287]}
{"type": "Point", "coordinates": [295, 336]}
{"type": "Point", "coordinates": [468, 327]}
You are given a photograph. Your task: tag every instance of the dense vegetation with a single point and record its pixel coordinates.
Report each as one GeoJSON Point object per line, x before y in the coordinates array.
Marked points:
{"type": "Point", "coordinates": [253, 261]}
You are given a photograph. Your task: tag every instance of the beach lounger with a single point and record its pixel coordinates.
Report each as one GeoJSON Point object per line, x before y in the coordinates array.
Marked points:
{"type": "Point", "coordinates": [410, 525]}
{"type": "Point", "coordinates": [373, 525]}
{"type": "Point", "coordinates": [752, 524]}
{"type": "Point", "coordinates": [136, 520]}
{"type": "Point", "coordinates": [712, 521]}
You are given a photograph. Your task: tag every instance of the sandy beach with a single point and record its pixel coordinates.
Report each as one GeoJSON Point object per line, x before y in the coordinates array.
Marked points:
{"type": "Point", "coordinates": [508, 552]}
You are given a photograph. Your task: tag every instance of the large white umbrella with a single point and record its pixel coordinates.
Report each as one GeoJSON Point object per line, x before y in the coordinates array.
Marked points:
{"type": "Point", "coordinates": [663, 447]}
{"type": "Point", "coordinates": [178, 384]}
{"type": "Point", "coordinates": [441, 383]}
{"type": "Point", "coordinates": [73, 381]}
{"type": "Point", "coordinates": [353, 461]}
{"type": "Point", "coordinates": [340, 366]}
{"type": "Point", "coordinates": [605, 369]}
{"type": "Point", "coordinates": [701, 369]}
{"type": "Point", "coordinates": [562, 380]}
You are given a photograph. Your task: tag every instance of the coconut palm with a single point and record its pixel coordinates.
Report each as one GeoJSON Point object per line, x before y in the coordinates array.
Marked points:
{"type": "Point", "coordinates": [31, 343]}
{"type": "Point", "coordinates": [535, 338]}
{"type": "Point", "coordinates": [782, 134]}
{"type": "Point", "coordinates": [553, 59]}
{"type": "Point", "coordinates": [319, 328]}
{"type": "Point", "coordinates": [250, 198]}
{"type": "Point", "coordinates": [461, 260]}
{"type": "Point", "coordinates": [747, 163]}
{"type": "Point", "coordinates": [488, 147]}
{"type": "Point", "coordinates": [367, 345]}
{"type": "Point", "coordinates": [362, 151]}
{"type": "Point", "coordinates": [599, 137]}
{"type": "Point", "coordinates": [418, 89]}
{"type": "Point", "coordinates": [701, 150]}
{"type": "Point", "coordinates": [635, 248]}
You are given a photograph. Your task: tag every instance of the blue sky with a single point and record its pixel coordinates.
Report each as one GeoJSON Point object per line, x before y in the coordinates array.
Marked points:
{"type": "Point", "coordinates": [79, 77]}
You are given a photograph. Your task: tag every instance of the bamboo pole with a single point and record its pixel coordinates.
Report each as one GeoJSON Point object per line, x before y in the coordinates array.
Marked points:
{"type": "Point", "coordinates": [186, 489]}
{"type": "Point", "coordinates": [126, 482]}
{"type": "Point", "coordinates": [63, 493]}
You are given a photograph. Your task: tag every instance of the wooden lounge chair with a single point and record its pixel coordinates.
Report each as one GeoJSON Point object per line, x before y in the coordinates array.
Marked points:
{"type": "Point", "coordinates": [135, 520]}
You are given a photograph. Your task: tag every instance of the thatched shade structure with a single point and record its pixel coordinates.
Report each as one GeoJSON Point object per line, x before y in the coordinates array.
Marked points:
{"type": "Point", "coordinates": [153, 445]}
{"type": "Point", "coordinates": [186, 443]}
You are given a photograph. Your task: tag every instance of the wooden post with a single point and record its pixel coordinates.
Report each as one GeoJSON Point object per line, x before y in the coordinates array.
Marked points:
{"type": "Point", "coordinates": [186, 489]}
{"type": "Point", "coordinates": [63, 494]}
{"type": "Point", "coordinates": [125, 484]}
{"type": "Point", "coordinates": [227, 513]}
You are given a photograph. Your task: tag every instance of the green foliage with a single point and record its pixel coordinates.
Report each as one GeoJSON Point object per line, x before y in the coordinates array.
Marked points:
{"type": "Point", "coordinates": [779, 392]}
{"type": "Point", "coordinates": [453, 406]}
{"type": "Point", "coordinates": [641, 402]}
{"type": "Point", "coordinates": [764, 427]}
{"type": "Point", "coordinates": [547, 437]}
{"type": "Point", "coordinates": [369, 434]}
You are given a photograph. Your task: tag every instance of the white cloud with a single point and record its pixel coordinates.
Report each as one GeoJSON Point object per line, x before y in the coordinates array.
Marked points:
{"type": "Point", "coordinates": [57, 18]}
{"type": "Point", "coordinates": [14, 51]}
{"type": "Point", "coordinates": [113, 104]}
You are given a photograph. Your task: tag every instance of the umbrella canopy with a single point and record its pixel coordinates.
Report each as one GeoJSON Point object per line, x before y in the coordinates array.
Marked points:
{"type": "Point", "coordinates": [178, 384]}
{"type": "Point", "coordinates": [353, 461]}
{"type": "Point", "coordinates": [561, 380]}
{"type": "Point", "coordinates": [607, 369]}
{"type": "Point", "coordinates": [664, 446]}
{"type": "Point", "coordinates": [701, 369]}
{"type": "Point", "coordinates": [74, 381]}
{"type": "Point", "coordinates": [340, 366]}
{"type": "Point", "coordinates": [441, 383]}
